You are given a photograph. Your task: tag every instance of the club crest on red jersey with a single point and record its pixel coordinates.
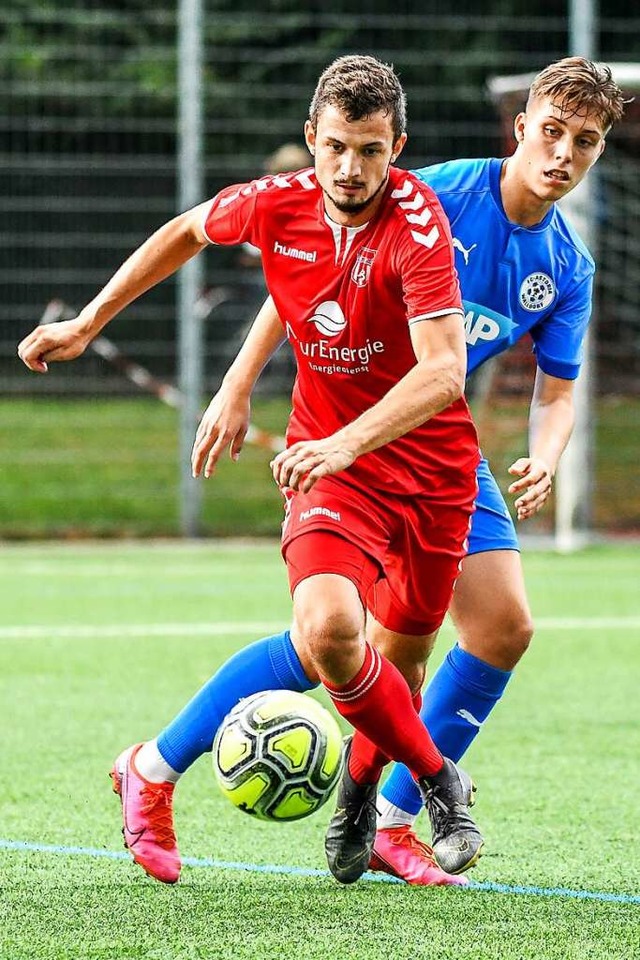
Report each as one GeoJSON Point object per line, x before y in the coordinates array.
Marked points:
{"type": "Point", "coordinates": [362, 267]}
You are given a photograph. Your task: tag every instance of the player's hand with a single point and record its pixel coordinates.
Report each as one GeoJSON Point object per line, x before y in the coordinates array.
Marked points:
{"type": "Point", "coordinates": [224, 424]}
{"type": "Point", "coordinates": [300, 466]}
{"type": "Point", "coordinates": [535, 480]}
{"type": "Point", "coordinates": [51, 342]}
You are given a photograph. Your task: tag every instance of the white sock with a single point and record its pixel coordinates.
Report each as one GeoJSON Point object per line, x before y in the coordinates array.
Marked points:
{"type": "Point", "coordinates": [151, 765]}
{"type": "Point", "coordinates": [391, 816]}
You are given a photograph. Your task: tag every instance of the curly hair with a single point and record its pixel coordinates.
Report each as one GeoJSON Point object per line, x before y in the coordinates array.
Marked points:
{"type": "Point", "coordinates": [360, 86]}
{"type": "Point", "coordinates": [579, 86]}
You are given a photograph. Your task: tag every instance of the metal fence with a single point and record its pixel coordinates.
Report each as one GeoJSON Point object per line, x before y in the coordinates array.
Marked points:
{"type": "Point", "coordinates": [88, 146]}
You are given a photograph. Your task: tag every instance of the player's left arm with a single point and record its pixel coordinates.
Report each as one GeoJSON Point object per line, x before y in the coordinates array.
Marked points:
{"type": "Point", "coordinates": [551, 420]}
{"type": "Point", "coordinates": [436, 381]}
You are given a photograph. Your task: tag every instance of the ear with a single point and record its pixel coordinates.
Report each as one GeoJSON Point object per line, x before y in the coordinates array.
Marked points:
{"type": "Point", "coordinates": [310, 137]}
{"type": "Point", "coordinates": [398, 147]}
{"type": "Point", "coordinates": [518, 126]}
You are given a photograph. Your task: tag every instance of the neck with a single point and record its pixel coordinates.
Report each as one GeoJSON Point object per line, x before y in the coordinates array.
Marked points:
{"type": "Point", "coordinates": [520, 204]}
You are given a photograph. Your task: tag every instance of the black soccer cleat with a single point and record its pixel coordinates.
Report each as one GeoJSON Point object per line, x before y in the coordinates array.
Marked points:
{"type": "Point", "coordinates": [349, 839]}
{"type": "Point", "coordinates": [457, 842]}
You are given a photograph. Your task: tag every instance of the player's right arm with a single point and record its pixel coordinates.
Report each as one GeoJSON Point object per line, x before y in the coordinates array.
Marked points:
{"type": "Point", "coordinates": [551, 421]}
{"type": "Point", "coordinates": [161, 255]}
{"type": "Point", "coordinates": [558, 342]}
{"type": "Point", "coordinates": [226, 420]}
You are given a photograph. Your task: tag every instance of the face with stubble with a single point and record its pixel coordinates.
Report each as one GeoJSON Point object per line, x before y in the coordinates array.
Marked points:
{"type": "Point", "coordinates": [352, 159]}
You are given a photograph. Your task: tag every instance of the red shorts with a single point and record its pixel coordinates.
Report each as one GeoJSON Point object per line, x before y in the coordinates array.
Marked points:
{"type": "Point", "coordinates": [403, 553]}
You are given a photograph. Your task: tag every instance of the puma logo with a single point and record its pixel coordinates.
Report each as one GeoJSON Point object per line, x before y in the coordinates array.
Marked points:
{"type": "Point", "coordinates": [457, 245]}
{"type": "Point", "coordinates": [469, 717]}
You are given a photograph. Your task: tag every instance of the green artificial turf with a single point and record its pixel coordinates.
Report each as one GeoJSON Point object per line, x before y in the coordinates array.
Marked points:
{"type": "Point", "coordinates": [101, 644]}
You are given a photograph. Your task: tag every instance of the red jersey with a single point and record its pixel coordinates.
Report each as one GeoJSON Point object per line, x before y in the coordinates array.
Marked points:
{"type": "Point", "coordinates": [346, 297]}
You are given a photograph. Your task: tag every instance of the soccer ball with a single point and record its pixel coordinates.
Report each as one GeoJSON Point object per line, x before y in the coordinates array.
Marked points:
{"type": "Point", "coordinates": [278, 755]}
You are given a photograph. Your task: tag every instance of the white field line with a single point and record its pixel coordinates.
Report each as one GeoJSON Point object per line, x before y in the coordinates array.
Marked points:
{"type": "Point", "coordinates": [143, 570]}
{"type": "Point", "coordinates": [79, 550]}
{"type": "Point", "coordinates": [206, 566]}
{"type": "Point", "coordinates": [253, 628]}
{"type": "Point", "coordinates": [133, 630]}
{"type": "Point", "coordinates": [169, 563]}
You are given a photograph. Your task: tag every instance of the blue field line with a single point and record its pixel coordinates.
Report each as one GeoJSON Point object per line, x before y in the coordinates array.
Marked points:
{"type": "Point", "coordinates": [270, 868]}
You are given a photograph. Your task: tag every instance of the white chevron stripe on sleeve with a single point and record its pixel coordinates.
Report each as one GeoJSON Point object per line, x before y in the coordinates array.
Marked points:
{"type": "Point", "coordinates": [428, 239]}
{"type": "Point", "coordinates": [421, 219]}
{"type": "Point", "coordinates": [415, 204]}
{"type": "Point", "coordinates": [404, 191]}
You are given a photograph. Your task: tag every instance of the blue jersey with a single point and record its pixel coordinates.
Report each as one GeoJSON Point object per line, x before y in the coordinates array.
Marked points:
{"type": "Point", "coordinates": [514, 279]}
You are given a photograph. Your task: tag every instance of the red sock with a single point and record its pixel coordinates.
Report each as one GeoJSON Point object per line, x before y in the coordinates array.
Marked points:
{"type": "Point", "coordinates": [366, 761]}
{"type": "Point", "coordinates": [378, 703]}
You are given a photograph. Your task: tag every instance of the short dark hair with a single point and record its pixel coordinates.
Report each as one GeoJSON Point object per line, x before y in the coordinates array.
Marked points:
{"type": "Point", "coordinates": [360, 86]}
{"type": "Point", "coordinates": [579, 86]}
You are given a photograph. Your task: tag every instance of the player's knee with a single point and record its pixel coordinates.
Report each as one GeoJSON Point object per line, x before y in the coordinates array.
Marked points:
{"type": "Point", "coordinates": [513, 636]}
{"type": "Point", "coordinates": [500, 640]}
{"type": "Point", "coordinates": [332, 636]}
{"type": "Point", "coordinates": [522, 630]}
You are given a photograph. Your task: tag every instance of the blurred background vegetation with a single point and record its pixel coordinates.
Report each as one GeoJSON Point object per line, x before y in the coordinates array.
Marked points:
{"type": "Point", "coordinates": [88, 155]}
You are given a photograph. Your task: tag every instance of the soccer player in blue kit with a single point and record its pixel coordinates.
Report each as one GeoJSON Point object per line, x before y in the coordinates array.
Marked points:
{"type": "Point", "coordinates": [522, 269]}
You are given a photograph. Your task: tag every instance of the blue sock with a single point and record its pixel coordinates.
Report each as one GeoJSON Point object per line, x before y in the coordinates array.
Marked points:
{"type": "Point", "coordinates": [463, 692]}
{"type": "Point", "coordinates": [269, 664]}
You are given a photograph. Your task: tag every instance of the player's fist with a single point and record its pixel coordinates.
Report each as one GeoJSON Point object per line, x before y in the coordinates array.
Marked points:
{"type": "Point", "coordinates": [50, 342]}
{"type": "Point", "coordinates": [301, 465]}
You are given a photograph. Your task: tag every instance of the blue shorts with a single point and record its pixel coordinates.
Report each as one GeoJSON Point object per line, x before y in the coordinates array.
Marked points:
{"type": "Point", "coordinates": [491, 525]}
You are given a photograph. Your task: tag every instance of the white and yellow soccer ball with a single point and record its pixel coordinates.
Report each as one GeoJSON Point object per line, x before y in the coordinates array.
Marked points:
{"type": "Point", "coordinates": [278, 755]}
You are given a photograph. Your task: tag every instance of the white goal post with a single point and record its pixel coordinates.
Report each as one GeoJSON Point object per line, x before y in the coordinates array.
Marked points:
{"type": "Point", "coordinates": [574, 480]}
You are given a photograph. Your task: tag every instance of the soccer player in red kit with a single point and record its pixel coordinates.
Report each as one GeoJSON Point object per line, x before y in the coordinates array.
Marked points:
{"type": "Point", "coordinates": [379, 469]}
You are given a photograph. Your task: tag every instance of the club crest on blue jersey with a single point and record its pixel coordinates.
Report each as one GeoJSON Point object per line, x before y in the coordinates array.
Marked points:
{"type": "Point", "coordinates": [537, 292]}
{"type": "Point", "coordinates": [362, 267]}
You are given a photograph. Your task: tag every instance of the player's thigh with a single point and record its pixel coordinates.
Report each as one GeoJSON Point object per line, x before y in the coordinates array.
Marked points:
{"type": "Point", "coordinates": [490, 609]}
{"type": "Point", "coordinates": [420, 568]}
{"type": "Point", "coordinates": [337, 507]}
{"type": "Point", "coordinates": [489, 606]}
{"type": "Point", "coordinates": [328, 577]}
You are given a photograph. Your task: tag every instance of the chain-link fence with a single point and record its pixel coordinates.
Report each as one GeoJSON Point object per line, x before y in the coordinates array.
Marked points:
{"type": "Point", "coordinates": [88, 144]}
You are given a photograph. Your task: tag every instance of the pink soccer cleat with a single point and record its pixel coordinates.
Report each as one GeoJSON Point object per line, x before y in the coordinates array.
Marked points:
{"type": "Point", "coordinates": [398, 851]}
{"type": "Point", "coordinates": [147, 819]}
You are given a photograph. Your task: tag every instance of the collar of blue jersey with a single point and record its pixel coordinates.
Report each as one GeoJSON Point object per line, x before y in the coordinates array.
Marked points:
{"type": "Point", "coordinates": [495, 168]}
